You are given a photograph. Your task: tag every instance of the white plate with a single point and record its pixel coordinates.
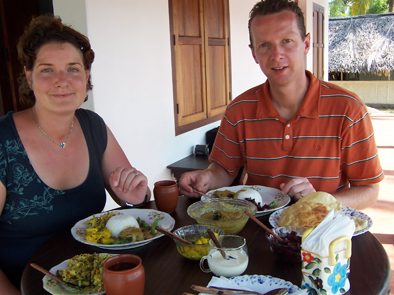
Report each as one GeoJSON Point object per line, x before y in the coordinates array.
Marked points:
{"type": "Point", "coordinates": [268, 194]}
{"type": "Point", "coordinates": [55, 288]}
{"type": "Point", "coordinates": [148, 215]}
{"type": "Point", "coordinates": [262, 284]}
{"type": "Point", "coordinates": [274, 218]}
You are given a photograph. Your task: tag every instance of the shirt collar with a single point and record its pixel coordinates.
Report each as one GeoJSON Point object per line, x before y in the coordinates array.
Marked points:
{"type": "Point", "coordinates": [309, 107]}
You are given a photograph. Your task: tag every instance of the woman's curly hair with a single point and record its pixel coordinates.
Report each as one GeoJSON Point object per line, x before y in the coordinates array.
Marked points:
{"type": "Point", "coordinates": [42, 30]}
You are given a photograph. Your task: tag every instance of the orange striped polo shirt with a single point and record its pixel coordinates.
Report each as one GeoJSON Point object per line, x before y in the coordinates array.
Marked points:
{"type": "Point", "coordinates": [330, 140]}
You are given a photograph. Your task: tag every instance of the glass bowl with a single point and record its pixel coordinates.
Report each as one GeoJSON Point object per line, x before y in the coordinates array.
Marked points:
{"type": "Point", "coordinates": [229, 226]}
{"type": "Point", "coordinates": [195, 233]}
{"type": "Point", "coordinates": [290, 250]}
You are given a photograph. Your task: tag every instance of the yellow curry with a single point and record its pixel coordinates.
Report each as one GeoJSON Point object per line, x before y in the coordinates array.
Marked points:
{"type": "Point", "coordinates": [222, 215]}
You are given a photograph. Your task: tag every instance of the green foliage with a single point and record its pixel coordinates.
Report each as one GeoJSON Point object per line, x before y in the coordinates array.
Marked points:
{"type": "Point", "coordinates": [378, 6]}
{"type": "Point", "coordinates": [338, 8]}
{"type": "Point", "coordinates": [357, 7]}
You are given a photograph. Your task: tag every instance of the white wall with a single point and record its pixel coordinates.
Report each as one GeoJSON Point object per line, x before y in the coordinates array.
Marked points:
{"type": "Point", "coordinates": [73, 13]}
{"type": "Point", "coordinates": [245, 72]}
{"type": "Point", "coordinates": [371, 92]}
{"type": "Point", "coordinates": [132, 75]}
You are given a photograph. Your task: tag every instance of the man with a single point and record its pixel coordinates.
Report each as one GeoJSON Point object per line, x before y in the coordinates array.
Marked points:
{"type": "Point", "coordinates": [294, 132]}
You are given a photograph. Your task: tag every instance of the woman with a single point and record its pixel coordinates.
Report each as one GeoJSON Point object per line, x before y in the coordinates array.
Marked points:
{"type": "Point", "coordinates": [56, 160]}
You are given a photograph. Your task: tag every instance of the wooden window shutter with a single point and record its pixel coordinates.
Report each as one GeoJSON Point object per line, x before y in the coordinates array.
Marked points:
{"type": "Point", "coordinates": [200, 53]}
{"type": "Point", "coordinates": [189, 61]}
{"type": "Point", "coordinates": [318, 41]}
{"type": "Point", "coordinates": [217, 71]}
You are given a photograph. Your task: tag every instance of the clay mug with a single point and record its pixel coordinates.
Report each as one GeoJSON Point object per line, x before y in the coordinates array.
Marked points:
{"type": "Point", "coordinates": [124, 274]}
{"type": "Point", "coordinates": [166, 195]}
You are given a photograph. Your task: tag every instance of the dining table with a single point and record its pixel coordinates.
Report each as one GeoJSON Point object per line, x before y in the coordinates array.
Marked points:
{"type": "Point", "coordinates": [167, 272]}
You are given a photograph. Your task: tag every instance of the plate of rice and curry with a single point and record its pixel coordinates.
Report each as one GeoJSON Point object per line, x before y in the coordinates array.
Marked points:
{"type": "Point", "coordinates": [122, 229]}
{"type": "Point", "coordinates": [311, 210]}
{"type": "Point", "coordinates": [83, 273]}
{"type": "Point", "coordinates": [267, 199]}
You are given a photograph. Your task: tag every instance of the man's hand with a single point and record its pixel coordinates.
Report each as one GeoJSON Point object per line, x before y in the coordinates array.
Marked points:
{"type": "Point", "coordinates": [204, 180]}
{"type": "Point", "coordinates": [198, 180]}
{"type": "Point", "coordinates": [297, 188]}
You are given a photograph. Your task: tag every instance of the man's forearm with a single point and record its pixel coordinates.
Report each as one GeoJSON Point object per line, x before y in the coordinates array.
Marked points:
{"type": "Point", "coordinates": [219, 177]}
{"type": "Point", "coordinates": [358, 197]}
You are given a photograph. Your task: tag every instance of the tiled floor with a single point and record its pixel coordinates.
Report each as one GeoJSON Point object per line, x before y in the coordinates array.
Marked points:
{"type": "Point", "coordinates": [382, 212]}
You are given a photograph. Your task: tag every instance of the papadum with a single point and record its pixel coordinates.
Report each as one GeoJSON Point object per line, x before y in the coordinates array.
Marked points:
{"type": "Point", "coordinates": [310, 210]}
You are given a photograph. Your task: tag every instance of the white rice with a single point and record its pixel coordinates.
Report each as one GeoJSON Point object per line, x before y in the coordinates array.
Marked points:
{"type": "Point", "coordinates": [251, 194]}
{"type": "Point", "coordinates": [118, 223]}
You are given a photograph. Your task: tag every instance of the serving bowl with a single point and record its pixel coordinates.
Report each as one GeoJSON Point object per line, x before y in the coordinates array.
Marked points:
{"type": "Point", "coordinates": [198, 235]}
{"type": "Point", "coordinates": [219, 206]}
{"type": "Point", "coordinates": [290, 249]}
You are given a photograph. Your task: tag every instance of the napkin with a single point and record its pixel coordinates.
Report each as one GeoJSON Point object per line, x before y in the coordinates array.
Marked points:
{"type": "Point", "coordinates": [331, 228]}
{"type": "Point", "coordinates": [223, 282]}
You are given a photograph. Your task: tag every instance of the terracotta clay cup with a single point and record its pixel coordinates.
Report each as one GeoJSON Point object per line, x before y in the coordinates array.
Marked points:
{"type": "Point", "coordinates": [124, 274]}
{"type": "Point", "coordinates": [166, 195]}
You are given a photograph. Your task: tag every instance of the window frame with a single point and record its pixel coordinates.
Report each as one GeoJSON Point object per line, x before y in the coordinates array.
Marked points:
{"type": "Point", "coordinates": [209, 118]}
{"type": "Point", "coordinates": [318, 41]}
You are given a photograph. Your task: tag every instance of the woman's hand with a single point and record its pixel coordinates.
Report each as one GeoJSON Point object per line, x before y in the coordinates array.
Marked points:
{"type": "Point", "coordinates": [129, 184]}
{"type": "Point", "coordinates": [297, 188]}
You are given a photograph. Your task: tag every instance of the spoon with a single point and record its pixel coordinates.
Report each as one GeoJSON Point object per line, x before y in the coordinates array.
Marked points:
{"type": "Point", "coordinates": [203, 194]}
{"type": "Point", "coordinates": [263, 226]}
{"type": "Point", "coordinates": [215, 240]}
{"type": "Point", "coordinates": [49, 274]}
{"type": "Point", "coordinates": [171, 235]}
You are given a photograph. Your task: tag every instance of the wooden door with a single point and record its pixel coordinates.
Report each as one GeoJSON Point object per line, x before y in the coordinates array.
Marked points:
{"type": "Point", "coordinates": [15, 15]}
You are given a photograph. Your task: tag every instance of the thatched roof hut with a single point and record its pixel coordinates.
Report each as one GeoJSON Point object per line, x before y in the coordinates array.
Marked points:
{"type": "Point", "coordinates": [361, 44]}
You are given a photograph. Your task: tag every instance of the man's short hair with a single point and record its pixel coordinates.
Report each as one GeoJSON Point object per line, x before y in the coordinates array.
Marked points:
{"type": "Point", "coordinates": [266, 7]}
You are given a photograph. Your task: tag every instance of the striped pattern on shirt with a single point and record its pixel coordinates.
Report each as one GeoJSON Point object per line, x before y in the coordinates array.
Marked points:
{"type": "Point", "coordinates": [330, 140]}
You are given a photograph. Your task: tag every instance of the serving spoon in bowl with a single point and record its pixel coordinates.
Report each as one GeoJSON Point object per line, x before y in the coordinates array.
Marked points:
{"type": "Point", "coordinates": [172, 235]}
{"type": "Point", "coordinates": [217, 244]}
{"type": "Point", "coordinates": [263, 226]}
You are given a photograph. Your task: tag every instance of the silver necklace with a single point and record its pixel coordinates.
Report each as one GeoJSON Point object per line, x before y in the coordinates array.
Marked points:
{"type": "Point", "coordinates": [63, 144]}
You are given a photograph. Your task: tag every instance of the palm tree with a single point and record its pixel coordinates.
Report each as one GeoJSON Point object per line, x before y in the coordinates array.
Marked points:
{"type": "Point", "coordinates": [359, 7]}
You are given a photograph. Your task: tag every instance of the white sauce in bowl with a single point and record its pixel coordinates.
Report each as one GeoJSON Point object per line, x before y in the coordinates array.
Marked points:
{"type": "Point", "coordinates": [228, 268]}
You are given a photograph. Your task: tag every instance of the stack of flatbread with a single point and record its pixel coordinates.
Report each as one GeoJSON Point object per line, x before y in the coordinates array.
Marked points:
{"type": "Point", "coordinates": [310, 210]}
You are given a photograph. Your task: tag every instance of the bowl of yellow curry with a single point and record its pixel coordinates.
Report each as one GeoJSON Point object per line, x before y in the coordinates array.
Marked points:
{"type": "Point", "coordinates": [198, 235]}
{"type": "Point", "coordinates": [227, 214]}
